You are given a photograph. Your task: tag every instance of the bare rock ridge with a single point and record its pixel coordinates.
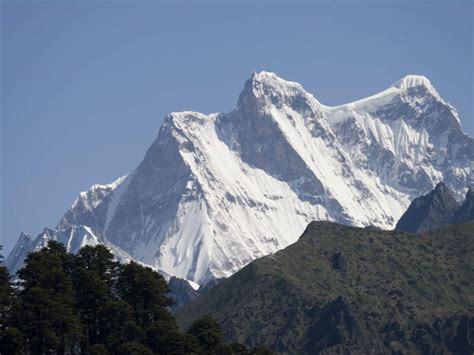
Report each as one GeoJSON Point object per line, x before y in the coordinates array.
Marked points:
{"type": "Point", "coordinates": [466, 210]}
{"type": "Point", "coordinates": [435, 209]}
{"type": "Point", "coordinates": [217, 191]}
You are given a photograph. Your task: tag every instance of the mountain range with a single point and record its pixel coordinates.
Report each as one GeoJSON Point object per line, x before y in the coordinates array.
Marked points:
{"type": "Point", "coordinates": [216, 191]}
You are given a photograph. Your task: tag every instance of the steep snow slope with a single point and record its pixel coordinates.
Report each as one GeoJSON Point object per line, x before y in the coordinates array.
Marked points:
{"type": "Point", "coordinates": [216, 191]}
{"type": "Point", "coordinates": [73, 238]}
{"type": "Point", "coordinates": [408, 136]}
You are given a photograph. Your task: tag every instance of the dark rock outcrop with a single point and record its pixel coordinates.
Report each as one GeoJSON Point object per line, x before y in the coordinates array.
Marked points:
{"type": "Point", "coordinates": [181, 292]}
{"type": "Point", "coordinates": [430, 211]}
{"type": "Point", "coordinates": [465, 213]}
{"type": "Point", "coordinates": [337, 329]}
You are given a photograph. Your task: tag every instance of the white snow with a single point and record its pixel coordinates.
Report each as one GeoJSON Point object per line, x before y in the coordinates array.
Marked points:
{"type": "Point", "coordinates": [227, 211]}
{"type": "Point", "coordinates": [410, 81]}
{"type": "Point", "coordinates": [194, 285]}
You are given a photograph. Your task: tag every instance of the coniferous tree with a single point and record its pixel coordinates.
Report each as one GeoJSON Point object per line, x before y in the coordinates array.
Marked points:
{"type": "Point", "coordinates": [208, 333]}
{"type": "Point", "coordinates": [98, 349]}
{"type": "Point", "coordinates": [89, 304]}
{"type": "Point", "coordinates": [10, 337]}
{"type": "Point", "coordinates": [164, 337]}
{"type": "Point", "coordinates": [144, 289]}
{"type": "Point", "coordinates": [191, 345]}
{"type": "Point", "coordinates": [6, 293]}
{"type": "Point", "coordinates": [6, 297]}
{"type": "Point", "coordinates": [93, 274]}
{"type": "Point", "coordinates": [133, 348]}
{"type": "Point", "coordinates": [98, 259]}
{"type": "Point", "coordinates": [45, 311]}
{"type": "Point", "coordinates": [113, 315]}
{"type": "Point", "coordinates": [127, 332]}
{"type": "Point", "coordinates": [91, 295]}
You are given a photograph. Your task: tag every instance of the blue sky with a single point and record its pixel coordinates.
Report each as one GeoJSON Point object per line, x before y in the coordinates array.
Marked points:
{"type": "Point", "coordinates": [85, 85]}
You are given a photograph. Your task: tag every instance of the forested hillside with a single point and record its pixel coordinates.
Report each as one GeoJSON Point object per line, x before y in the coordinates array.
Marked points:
{"type": "Point", "coordinates": [90, 304]}
{"type": "Point", "coordinates": [341, 290]}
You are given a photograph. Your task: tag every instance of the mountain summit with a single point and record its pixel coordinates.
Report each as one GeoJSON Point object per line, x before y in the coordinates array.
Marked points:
{"type": "Point", "coordinates": [466, 211]}
{"type": "Point", "coordinates": [214, 192]}
{"type": "Point", "coordinates": [435, 209]}
{"type": "Point", "coordinates": [413, 81]}
{"type": "Point", "coordinates": [429, 212]}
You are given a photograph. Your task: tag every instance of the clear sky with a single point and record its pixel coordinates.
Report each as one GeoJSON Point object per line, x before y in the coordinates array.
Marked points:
{"type": "Point", "coordinates": [85, 85]}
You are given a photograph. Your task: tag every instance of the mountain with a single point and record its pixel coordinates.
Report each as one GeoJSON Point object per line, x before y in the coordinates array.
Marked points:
{"type": "Point", "coordinates": [436, 209]}
{"type": "Point", "coordinates": [217, 191]}
{"type": "Point", "coordinates": [73, 237]}
{"type": "Point", "coordinates": [182, 291]}
{"type": "Point", "coordinates": [341, 290]}
{"type": "Point", "coordinates": [466, 211]}
{"type": "Point", "coordinates": [429, 212]}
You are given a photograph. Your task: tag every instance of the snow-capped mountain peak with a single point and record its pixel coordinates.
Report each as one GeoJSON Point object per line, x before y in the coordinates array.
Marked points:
{"type": "Point", "coordinates": [216, 191]}
{"type": "Point", "coordinates": [412, 81]}
{"type": "Point", "coordinates": [266, 88]}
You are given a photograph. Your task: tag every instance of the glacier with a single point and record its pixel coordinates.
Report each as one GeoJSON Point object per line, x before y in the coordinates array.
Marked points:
{"type": "Point", "coordinates": [217, 191]}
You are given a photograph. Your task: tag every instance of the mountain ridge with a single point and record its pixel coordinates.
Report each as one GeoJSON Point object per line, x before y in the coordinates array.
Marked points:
{"type": "Point", "coordinates": [216, 191]}
{"type": "Point", "coordinates": [342, 289]}
{"type": "Point", "coordinates": [436, 209]}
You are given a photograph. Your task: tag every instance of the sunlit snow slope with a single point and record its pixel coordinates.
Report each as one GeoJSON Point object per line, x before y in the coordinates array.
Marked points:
{"type": "Point", "coordinates": [217, 191]}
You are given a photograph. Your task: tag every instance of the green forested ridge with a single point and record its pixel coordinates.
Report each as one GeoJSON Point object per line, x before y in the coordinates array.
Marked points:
{"type": "Point", "coordinates": [342, 289]}
{"type": "Point", "coordinates": [89, 304]}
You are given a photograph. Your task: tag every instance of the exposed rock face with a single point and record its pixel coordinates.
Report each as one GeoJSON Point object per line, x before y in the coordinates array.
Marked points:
{"type": "Point", "coordinates": [429, 212]}
{"type": "Point", "coordinates": [214, 192]}
{"type": "Point", "coordinates": [453, 335]}
{"type": "Point", "coordinates": [436, 209]}
{"type": "Point", "coordinates": [466, 211]}
{"type": "Point", "coordinates": [181, 292]}
{"type": "Point", "coordinates": [337, 330]}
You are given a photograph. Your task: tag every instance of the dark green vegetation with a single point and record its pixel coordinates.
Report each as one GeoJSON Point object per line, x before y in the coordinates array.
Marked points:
{"type": "Point", "coordinates": [436, 209]}
{"type": "Point", "coordinates": [89, 304]}
{"type": "Point", "coordinates": [341, 289]}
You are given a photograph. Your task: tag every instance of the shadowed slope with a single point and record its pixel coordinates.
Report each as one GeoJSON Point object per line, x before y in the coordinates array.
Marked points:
{"type": "Point", "coordinates": [342, 288]}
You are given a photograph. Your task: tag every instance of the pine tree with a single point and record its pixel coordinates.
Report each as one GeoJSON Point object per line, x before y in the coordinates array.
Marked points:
{"type": "Point", "coordinates": [113, 315]}
{"type": "Point", "coordinates": [164, 337]}
{"type": "Point", "coordinates": [93, 276]}
{"type": "Point", "coordinates": [90, 304]}
{"type": "Point", "coordinates": [133, 348]}
{"type": "Point", "coordinates": [144, 289]}
{"type": "Point", "coordinates": [208, 333]}
{"type": "Point", "coordinates": [6, 296]}
{"type": "Point", "coordinates": [91, 295]}
{"type": "Point", "coordinates": [98, 259]}
{"type": "Point", "coordinates": [126, 332]}
{"type": "Point", "coordinates": [10, 337]}
{"type": "Point", "coordinates": [45, 312]}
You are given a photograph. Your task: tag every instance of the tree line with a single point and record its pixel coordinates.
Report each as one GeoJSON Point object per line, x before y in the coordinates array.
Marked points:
{"type": "Point", "coordinates": [88, 303]}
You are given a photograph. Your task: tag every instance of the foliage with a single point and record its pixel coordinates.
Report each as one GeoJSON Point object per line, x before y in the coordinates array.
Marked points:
{"type": "Point", "coordinates": [207, 332]}
{"type": "Point", "coordinates": [362, 289]}
{"type": "Point", "coordinates": [89, 304]}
